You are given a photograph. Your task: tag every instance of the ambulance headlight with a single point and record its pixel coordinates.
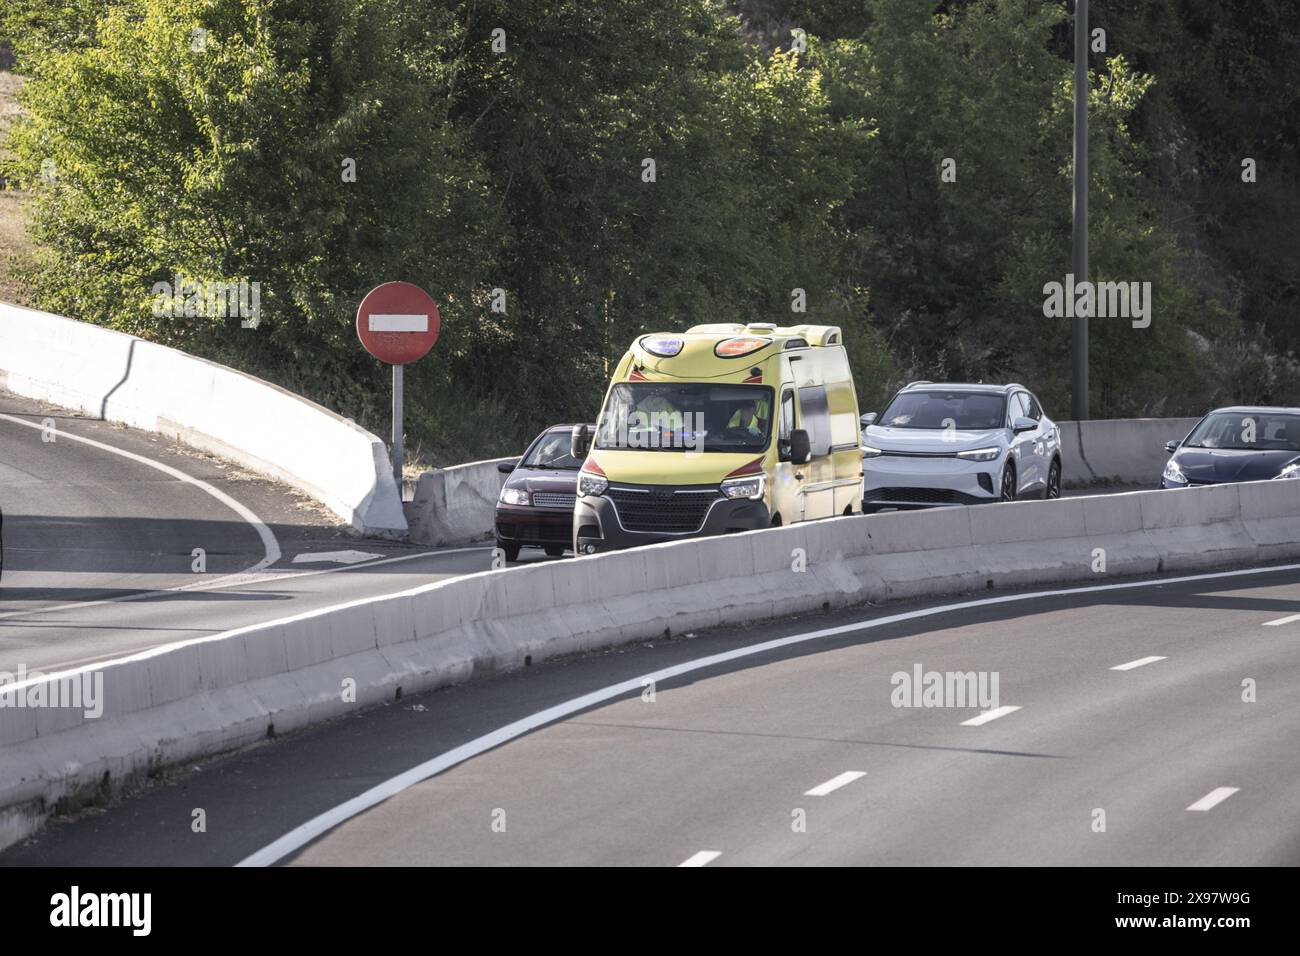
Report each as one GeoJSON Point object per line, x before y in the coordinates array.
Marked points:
{"type": "Point", "coordinates": [589, 484]}
{"type": "Point", "coordinates": [750, 486]}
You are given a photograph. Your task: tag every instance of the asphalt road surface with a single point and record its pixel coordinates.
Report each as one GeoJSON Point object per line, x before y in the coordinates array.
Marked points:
{"type": "Point", "coordinates": [99, 544]}
{"type": "Point", "coordinates": [1122, 736]}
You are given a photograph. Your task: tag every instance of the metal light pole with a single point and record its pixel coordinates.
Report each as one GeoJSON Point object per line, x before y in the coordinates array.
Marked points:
{"type": "Point", "coordinates": [1079, 331]}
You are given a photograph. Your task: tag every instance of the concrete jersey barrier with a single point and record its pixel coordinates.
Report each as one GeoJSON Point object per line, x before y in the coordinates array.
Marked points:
{"type": "Point", "coordinates": [209, 694]}
{"type": "Point", "coordinates": [456, 505]}
{"type": "Point", "coordinates": [271, 431]}
{"type": "Point", "coordinates": [1118, 450]}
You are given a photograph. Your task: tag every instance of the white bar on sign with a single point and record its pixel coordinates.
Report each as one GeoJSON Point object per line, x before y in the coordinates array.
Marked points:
{"type": "Point", "coordinates": [381, 322]}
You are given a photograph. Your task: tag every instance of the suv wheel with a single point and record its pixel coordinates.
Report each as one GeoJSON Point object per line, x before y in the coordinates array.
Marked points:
{"type": "Point", "coordinates": [1008, 490]}
{"type": "Point", "coordinates": [1054, 479]}
{"type": "Point", "coordinates": [510, 549]}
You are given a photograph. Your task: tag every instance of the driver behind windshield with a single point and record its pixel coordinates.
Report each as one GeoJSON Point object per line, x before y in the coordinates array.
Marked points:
{"type": "Point", "coordinates": [750, 417]}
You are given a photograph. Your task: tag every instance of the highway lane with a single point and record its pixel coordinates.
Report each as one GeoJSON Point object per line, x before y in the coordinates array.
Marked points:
{"type": "Point", "coordinates": [99, 543]}
{"type": "Point", "coordinates": [727, 759]}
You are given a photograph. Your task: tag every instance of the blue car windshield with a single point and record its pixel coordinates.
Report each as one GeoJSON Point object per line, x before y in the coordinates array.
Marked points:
{"type": "Point", "coordinates": [1247, 431]}
{"type": "Point", "coordinates": [941, 409]}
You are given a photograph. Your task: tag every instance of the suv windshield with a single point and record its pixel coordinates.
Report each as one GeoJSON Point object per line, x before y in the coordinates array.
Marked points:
{"type": "Point", "coordinates": [696, 416]}
{"type": "Point", "coordinates": [552, 451]}
{"type": "Point", "coordinates": [1247, 431]}
{"type": "Point", "coordinates": [937, 409]}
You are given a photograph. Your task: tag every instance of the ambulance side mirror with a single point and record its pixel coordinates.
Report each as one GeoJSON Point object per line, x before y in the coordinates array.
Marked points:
{"type": "Point", "coordinates": [580, 442]}
{"type": "Point", "coordinates": [800, 447]}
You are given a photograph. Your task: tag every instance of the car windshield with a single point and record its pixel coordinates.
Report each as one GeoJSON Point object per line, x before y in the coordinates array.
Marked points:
{"type": "Point", "coordinates": [969, 411]}
{"type": "Point", "coordinates": [1247, 431]}
{"type": "Point", "coordinates": [691, 416]}
{"type": "Point", "coordinates": [552, 451]}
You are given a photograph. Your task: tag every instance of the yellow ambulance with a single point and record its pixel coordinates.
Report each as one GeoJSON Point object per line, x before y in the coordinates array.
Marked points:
{"type": "Point", "coordinates": [716, 429]}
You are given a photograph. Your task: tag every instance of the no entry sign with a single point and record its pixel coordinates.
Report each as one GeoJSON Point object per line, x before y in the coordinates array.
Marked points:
{"type": "Point", "coordinates": [398, 322]}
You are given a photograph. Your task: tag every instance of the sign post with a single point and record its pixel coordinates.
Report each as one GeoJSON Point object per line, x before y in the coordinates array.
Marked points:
{"type": "Point", "coordinates": [398, 323]}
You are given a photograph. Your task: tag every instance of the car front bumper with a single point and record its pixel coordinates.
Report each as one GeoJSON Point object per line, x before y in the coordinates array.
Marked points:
{"type": "Point", "coordinates": [599, 526]}
{"type": "Point", "coordinates": [921, 482]}
{"type": "Point", "coordinates": [516, 524]}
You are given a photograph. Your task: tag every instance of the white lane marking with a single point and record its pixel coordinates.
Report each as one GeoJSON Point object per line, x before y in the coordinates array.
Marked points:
{"type": "Point", "coordinates": [231, 581]}
{"type": "Point", "coordinates": [1282, 620]}
{"type": "Point", "coordinates": [703, 858]}
{"type": "Point", "coordinates": [1213, 798]}
{"type": "Point", "coordinates": [399, 322]}
{"type": "Point", "coordinates": [350, 556]}
{"type": "Point", "coordinates": [988, 715]}
{"type": "Point", "coordinates": [1140, 662]}
{"type": "Point", "coordinates": [270, 546]}
{"type": "Point", "coordinates": [304, 833]}
{"type": "Point", "coordinates": [833, 784]}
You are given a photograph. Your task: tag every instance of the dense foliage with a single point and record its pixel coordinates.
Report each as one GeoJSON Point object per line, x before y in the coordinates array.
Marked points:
{"type": "Point", "coordinates": [507, 172]}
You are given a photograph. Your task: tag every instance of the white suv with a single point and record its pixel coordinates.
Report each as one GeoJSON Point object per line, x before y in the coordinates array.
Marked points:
{"type": "Point", "coordinates": [940, 444]}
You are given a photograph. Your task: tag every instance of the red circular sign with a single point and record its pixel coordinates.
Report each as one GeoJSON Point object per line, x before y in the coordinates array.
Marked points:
{"type": "Point", "coordinates": [398, 322]}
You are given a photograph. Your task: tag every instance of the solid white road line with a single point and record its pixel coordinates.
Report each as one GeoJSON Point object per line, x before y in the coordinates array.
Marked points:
{"type": "Point", "coordinates": [1213, 798]}
{"type": "Point", "coordinates": [270, 546]}
{"type": "Point", "coordinates": [703, 858]}
{"type": "Point", "coordinates": [304, 833]}
{"type": "Point", "coordinates": [833, 784]}
{"type": "Point", "coordinates": [1140, 662]}
{"type": "Point", "coordinates": [988, 715]}
{"type": "Point", "coordinates": [1282, 620]}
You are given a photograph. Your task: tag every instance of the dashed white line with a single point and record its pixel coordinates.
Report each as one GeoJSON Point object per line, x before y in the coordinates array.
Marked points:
{"type": "Point", "coordinates": [304, 833]}
{"type": "Point", "coordinates": [1140, 662]}
{"type": "Point", "coordinates": [1213, 798]}
{"type": "Point", "coordinates": [1282, 620]}
{"type": "Point", "coordinates": [833, 784]}
{"type": "Point", "coordinates": [703, 858]}
{"type": "Point", "coordinates": [988, 715]}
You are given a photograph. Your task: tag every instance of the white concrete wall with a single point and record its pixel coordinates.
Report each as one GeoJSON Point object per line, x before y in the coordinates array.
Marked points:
{"type": "Point", "coordinates": [456, 505]}
{"type": "Point", "coordinates": [1118, 450]}
{"type": "Point", "coordinates": [197, 697]}
{"type": "Point", "coordinates": [265, 428]}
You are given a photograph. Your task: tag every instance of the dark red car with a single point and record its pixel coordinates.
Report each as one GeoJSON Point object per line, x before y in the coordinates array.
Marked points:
{"type": "Point", "coordinates": [535, 508]}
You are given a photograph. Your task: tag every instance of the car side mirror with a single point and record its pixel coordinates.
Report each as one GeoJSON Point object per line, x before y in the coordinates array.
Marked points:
{"type": "Point", "coordinates": [580, 441]}
{"type": "Point", "coordinates": [800, 447]}
{"type": "Point", "coordinates": [1023, 424]}
{"type": "Point", "coordinates": [505, 467]}
{"type": "Point", "coordinates": [1172, 446]}
{"type": "Point", "coordinates": [868, 419]}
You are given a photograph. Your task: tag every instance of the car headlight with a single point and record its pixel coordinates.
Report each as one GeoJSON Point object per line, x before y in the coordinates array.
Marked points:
{"type": "Point", "coordinates": [515, 496]}
{"type": "Point", "coordinates": [589, 484]}
{"type": "Point", "coordinates": [980, 454]}
{"type": "Point", "coordinates": [869, 452]}
{"type": "Point", "coordinates": [1174, 473]}
{"type": "Point", "coordinates": [750, 486]}
{"type": "Point", "coordinates": [1290, 471]}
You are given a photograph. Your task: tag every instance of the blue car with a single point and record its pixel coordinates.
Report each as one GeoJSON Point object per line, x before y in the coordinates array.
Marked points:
{"type": "Point", "coordinates": [1242, 443]}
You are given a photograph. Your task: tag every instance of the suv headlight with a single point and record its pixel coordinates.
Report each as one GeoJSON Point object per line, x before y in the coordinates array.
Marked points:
{"type": "Point", "coordinates": [1174, 473]}
{"type": "Point", "coordinates": [1290, 471]}
{"type": "Point", "coordinates": [589, 484]}
{"type": "Point", "coordinates": [515, 496]}
{"type": "Point", "coordinates": [980, 454]}
{"type": "Point", "coordinates": [750, 486]}
{"type": "Point", "coordinates": [869, 452]}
